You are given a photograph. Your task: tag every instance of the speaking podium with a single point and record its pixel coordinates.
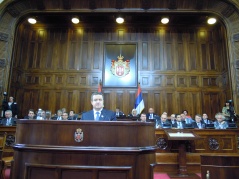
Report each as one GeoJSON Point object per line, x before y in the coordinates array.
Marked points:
{"type": "Point", "coordinates": [182, 136]}
{"type": "Point", "coordinates": [83, 149]}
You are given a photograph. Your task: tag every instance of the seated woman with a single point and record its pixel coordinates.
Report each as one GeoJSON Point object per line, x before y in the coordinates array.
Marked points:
{"type": "Point", "coordinates": [220, 123]}
{"type": "Point", "coordinates": [133, 113]}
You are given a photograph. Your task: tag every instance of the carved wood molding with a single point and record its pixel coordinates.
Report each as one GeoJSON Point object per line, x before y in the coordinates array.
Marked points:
{"type": "Point", "coordinates": [66, 4]}
{"type": "Point", "coordinates": [199, 4]}
{"type": "Point", "coordinates": [119, 4]}
{"type": "Point", "coordinates": [3, 36]}
{"type": "Point", "coordinates": [12, 10]}
{"type": "Point", "coordinates": [235, 37]}
{"type": "Point", "coordinates": [146, 4]}
{"type": "Point", "coordinates": [92, 4]}
{"type": "Point", "coordinates": [162, 143]}
{"type": "Point", "coordinates": [213, 144]}
{"type": "Point", "coordinates": [172, 4]}
{"type": "Point", "coordinates": [2, 62]}
{"type": "Point", "coordinates": [228, 11]}
{"type": "Point", "coordinates": [40, 4]}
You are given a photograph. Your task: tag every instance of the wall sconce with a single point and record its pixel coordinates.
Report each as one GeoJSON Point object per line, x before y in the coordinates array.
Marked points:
{"type": "Point", "coordinates": [165, 20]}
{"type": "Point", "coordinates": [75, 20]}
{"type": "Point", "coordinates": [211, 20]}
{"type": "Point", "coordinates": [32, 20]}
{"type": "Point", "coordinates": [119, 20]}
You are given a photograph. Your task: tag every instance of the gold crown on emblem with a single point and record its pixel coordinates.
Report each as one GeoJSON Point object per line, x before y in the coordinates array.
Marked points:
{"type": "Point", "coordinates": [78, 130]}
{"type": "Point", "coordinates": [120, 58]}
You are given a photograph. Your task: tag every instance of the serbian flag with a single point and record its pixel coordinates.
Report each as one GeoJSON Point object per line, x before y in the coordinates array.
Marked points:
{"type": "Point", "coordinates": [99, 87]}
{"type": "Point", "coordinates": [139, 103]}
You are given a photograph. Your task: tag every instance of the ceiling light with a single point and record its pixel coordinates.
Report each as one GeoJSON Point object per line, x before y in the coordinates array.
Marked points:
{"type": "Point", "coordinates": [32, 20]}
{"type": "Point", "coordinates": [75, 20]}
{"type": "Point", "coordinates": [165, 20]}
{"type": "Point", "coordinates": [212, 20]}
{"type": "Point", "coordinates": [119, 20]}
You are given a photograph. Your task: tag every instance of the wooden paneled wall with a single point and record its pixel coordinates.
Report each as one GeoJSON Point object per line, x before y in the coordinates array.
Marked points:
{"type": "Point", "coordinates": [178, 68]}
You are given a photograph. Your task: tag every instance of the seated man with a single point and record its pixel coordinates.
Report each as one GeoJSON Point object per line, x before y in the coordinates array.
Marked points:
{"type": "Point", "coordinates": [72, 115]}
{"type": "Point", "coordinates": [65, 116]}
{"type": "Point", "coordinates": [172, 119]}
{"type": "Point", "coordinates": [31, 115]}
{"type": "Point", "coordinates": [98, 113]}
{"type": "Point", "coordinates": [58, 116]}
{"type": "Point", "coordinates": [220, 123]}
{"type": "Point", "coordinates": [151, 114]}
{"type": "Point", "coordinates": [199, 123]}
{"type": "Point", "coordinates": [179, 124]}
{"type": "Point", "coordinates": [41, 114]}
{"type": "Point", "coordinates": [163, 123]}
{"type": "Point", "coordinates": [143, 117]}
{"type": "Point", "coordinates": [9, 120]}
{"type": "Point", "coordinates": [118, 113]}
{"type": "Point", "coordinates": [205, 119]}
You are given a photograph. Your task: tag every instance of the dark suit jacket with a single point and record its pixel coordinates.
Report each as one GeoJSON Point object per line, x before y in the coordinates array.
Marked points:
{"type": "Point", "coordinates": [155, 116]}
{"type": "Point", "coordinates": [73, 117]}
{"type": "Point", "coordinates": [55, 117]}
{"type": "Point", "coordinates": [194, 125]}
{"type": "Point", "coordinates": [14, 108]}
{"type": "Point", "coordinates": [13, 121]}
{"type": "Point", "coordinates": [106, 115]}
{"type": "Point", "coordinates": [176, 124]}
{"type": "Point", "coordinates": [166, 124]}
{"type": "Point", "coordinates": [120, 113]}
{"type": "Point", "coordinates": [27, 117]}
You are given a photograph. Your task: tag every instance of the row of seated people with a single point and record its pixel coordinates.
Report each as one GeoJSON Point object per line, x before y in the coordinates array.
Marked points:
{"type": "Point", "coordinates": [9, 120]}
{"type": "Point", "coordinates": [199, 122]}
{"type": "Point", "coordinates": [176, 121]}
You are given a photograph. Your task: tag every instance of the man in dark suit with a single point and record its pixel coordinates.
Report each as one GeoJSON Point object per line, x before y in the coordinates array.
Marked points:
{"type": "Point", "coordinates": [163, 122]}
{"type": "Point", "coordinates": [9, 120]}
{"type": "Point", "coordinates": [58, 116]}
{"type": "Point", "coordinates": [12, 106]}
{"type": "Point", "coordinates": [153, 117]}
{"type": "Point", "coordinates": [205, 119]}
{"type": "Point", "coordinates": [118, 113]}
{"type": "Point", "coordinates": [98, 113]}
{"type": "Point", "coordinates": [179, 123]}
{"type": "Point", "coordinates": [72, 115]}
{"type": "Point", "coordinates": [199, 123]}
{"type": "Point", "coordinates": [31, 114]}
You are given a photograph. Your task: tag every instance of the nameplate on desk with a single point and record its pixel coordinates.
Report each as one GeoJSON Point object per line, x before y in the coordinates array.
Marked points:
{"type": "Point", "coordinates": [180, 134]}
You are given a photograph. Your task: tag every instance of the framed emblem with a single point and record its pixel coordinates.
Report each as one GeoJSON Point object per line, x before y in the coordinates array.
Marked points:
{"type": "Point", "coordinates": [120, 65]}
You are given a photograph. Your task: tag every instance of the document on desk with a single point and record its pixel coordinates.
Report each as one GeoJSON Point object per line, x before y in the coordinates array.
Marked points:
{"type": "Point", "coordinates": [181, 134]}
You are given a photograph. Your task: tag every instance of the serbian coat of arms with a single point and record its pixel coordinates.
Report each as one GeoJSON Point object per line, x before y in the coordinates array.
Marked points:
{"type": "Point", "coordinates": [120, 68]}
{"type": "Point", "coordinates": [79, 135]}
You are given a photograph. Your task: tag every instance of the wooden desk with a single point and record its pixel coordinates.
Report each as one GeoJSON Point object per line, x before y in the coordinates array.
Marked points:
{"type": "Point", "coordinates": [181, 136]}
{"type": "Point", "coordinates": [48, 149]}
{"type": "Point", "coordinates": [217, 142]}
{"type": "Point", "coordinates": [10, 139]}
{"type": "Point", "coordinates": [223, 166]}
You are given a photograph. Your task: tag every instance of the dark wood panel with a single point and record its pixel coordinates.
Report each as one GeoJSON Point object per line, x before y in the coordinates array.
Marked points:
{"type": "Point", "coordinates": [66, 59]}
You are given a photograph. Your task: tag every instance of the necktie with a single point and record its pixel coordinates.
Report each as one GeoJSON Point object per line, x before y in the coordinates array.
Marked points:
{"type": "Point", "coordinates": [8, 122]}
{"type": "Point", "coordinates": [179, 124]}
{"type": "Point", "coordinates": [151, 116]}
{"type": "Point", "coordinates": [97, 116]}
{"type": "Point", "coordinates": [199, 126]}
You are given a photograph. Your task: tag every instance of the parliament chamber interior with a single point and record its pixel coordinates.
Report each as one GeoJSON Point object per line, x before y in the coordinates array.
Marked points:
{"type": "Point", "coordinates": [175, 59]}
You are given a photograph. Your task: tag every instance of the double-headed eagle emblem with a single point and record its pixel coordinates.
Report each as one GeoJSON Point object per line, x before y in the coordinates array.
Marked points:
{"type": "Point", "coordinates": [79, 135]}
{"type": "Point", "coordinates": [120, 68]}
